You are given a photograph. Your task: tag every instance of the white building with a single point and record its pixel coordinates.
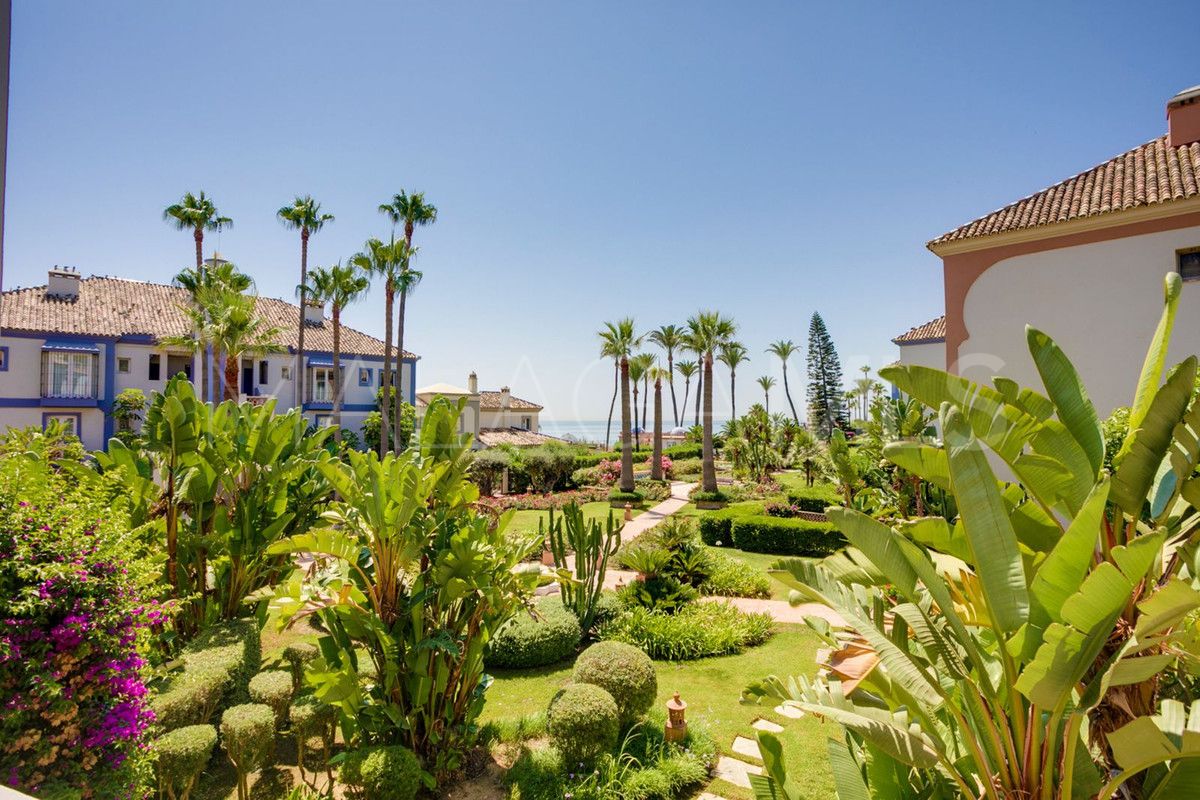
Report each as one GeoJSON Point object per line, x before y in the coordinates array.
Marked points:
{"type": "Point", "coordinates": [1083, 261]}
{"type": "Point", "coordinates": [68, 348]}
{"type": "Point", "coordinates": [924, 345]}
{"type": "Point", "coordinates": [492, 417]}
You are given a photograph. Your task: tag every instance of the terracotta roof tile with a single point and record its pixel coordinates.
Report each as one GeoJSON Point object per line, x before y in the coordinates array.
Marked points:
{"type": "Point", "coordinates": [491, 437]}
{"type": "Point", "coordinates": [1151, 174]}
{"type": "Point", "coordinates": [932, 331]}
{"type": "Point", "coordinates": [112, 307]}
{"type": "Point", "coordinates": [490, 401]}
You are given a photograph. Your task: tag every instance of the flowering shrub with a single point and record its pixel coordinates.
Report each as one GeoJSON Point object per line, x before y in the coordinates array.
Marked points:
{"type": "Point", "coordinates": [75, 606]}
{"type": "Point", "coordinates": [668, 466]}
{"type": "Point", "coordinates": [544, 502]}
{"type": "Point", "coordinates": [608, 472]}
{"type": "Point", "coordinates": [781, 508]}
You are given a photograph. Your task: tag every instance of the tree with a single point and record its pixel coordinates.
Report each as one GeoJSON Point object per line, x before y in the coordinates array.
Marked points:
{"type": "Point", "coordinates": [863, 388]}
{"type": "Point", "coordinates": [656, 473]}
{"type": "Point", "coordinates": [339, 286]}
{"type": "Point", "coordinates": [410, 210]}
{"type": "Point", "coordinates": [785, 349]}
{"type": "Point", "coordinates": [825, 407]}
{"type": "Point", "coordinates": [196, 213]}
{"type": "Point", "coordinates": [670, 338]}
{"type": "Point", "coordinates": [610, 342]}
{"type": "Point", "coordinates": [639, 368]}
{"type": "Point", "coordinates": [767, 383]}
{"type": "Point", "coordinates": [733, 354]}
{"type": "Point", "coordinates": [709, 331]}
{"type": "Point", "coordinates": [384, 260]}
{"type": "Point", "coordinates": [304, 215]}
{"type": "Point", "coordinates": [687, 369]}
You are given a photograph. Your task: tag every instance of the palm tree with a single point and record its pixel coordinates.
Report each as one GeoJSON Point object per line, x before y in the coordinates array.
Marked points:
{"type": "Point", "coordinates": [201, 283]}
{"type": "Point", "coordinates": [639, 367]}
{"type": "Point", "coordinates": [863, 387]}
{"type": "Point", "coordinates": [411, 210]}
{"type": "Point", "coordinates": [690, 343]}
{"type": "Point", "coordinates": [732, 354]}
{"type": "Point", "coordinates": [196, 214]}
{"type": "Point", "coordinates": [687, 369]}
{"type": "Point", "coordinates": [339, 286]}
{"type": "Point", "coordinates": [304, 215]}
{"type": "Point", "coordinates": [767, 383]}
{"type": "Point", "coordinates": [386, 260]}
{"type": "Point", "coordinates": [611, 340]}
{"type": "Point", "coordinates": [785, 349]}
{"type": "Point", "coordinates": [622, 341]}
{"type": "Point", "coordinates": [670, 338]}
{"type": "Point", "coordinates": [708, 332]}
{"type": "Point", "coordinates": [657, 373]}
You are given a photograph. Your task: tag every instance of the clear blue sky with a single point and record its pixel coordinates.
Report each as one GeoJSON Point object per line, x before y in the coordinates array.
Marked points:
{"type": "Point", "coordinates": [589, 161]}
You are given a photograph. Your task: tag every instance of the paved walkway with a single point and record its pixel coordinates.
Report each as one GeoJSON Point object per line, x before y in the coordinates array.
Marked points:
{"type": "Point", "coordinates": [782, 610]}
{"type": "Point", "coordinates": [651, 517]}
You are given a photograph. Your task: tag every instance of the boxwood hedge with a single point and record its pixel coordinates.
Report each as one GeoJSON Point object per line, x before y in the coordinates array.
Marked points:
{"type": "Point", "coordinates": [747, 528]}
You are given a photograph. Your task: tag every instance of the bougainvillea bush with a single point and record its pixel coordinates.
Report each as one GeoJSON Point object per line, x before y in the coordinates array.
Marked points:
{"type": "Point", "coordinates": [76, 605]}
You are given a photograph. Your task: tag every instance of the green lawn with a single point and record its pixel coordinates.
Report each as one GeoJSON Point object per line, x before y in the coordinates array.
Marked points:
{"type": "Point", "coordinates": [527, 521]}
{"type": "Point", "coordinates": [794, 479]}
{"type": "Point", "coordinates": [711, 687]}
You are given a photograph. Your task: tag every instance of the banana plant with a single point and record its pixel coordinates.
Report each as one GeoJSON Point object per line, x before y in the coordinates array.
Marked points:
{"type": "Point", "coordinates": [985, 656]}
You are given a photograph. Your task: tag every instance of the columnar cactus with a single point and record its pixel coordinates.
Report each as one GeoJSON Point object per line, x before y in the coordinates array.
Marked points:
{"type": "Point", "coordinates": [593, 544]}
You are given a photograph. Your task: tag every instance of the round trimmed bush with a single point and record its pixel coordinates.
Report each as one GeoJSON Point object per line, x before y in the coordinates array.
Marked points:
{"type": "Point", "coordinates": [583, 722]}
{"type": "Point", "coordinates": [182, 755]}
{"type": "Point", "coordinates": [527, 642]}
{"type": "Point", "coordinates": [192, 698]}
{"type": "Point", "coordinates": [623, 671]}
{"type": "Point", "coordinates": [248, 736]}
{"type": "Point", "coordinates": [298, 655]}
{"type": "Point", "coordinates": [273, 688]}
{"type": "Point", "coordinates": [310, 717]}
{"type": "Point", "coordinates": [387, 773]}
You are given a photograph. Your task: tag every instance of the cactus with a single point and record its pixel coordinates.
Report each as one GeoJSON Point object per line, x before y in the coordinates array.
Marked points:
{"type": "Point", "coordinates": [593, 544]}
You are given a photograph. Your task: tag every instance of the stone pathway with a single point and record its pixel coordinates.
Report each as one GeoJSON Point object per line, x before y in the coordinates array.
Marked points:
{"type": "Point", "coordinates": [651, 517]}
{"type": "Point", "coordinates": [782, 610]}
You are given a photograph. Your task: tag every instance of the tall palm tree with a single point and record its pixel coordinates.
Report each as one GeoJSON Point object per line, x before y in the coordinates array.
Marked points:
{"type": "Point", "coordinates": [689, 342]}
{"type": "Point", "coordinates": [201, 283]}
{"type": "Point", "coordinates": [687, 369]}
{"type": "Point", "coordinates": [732, 354]}
{"type": "Point", "coordinates": [410, 210]}
{"type": "Point", "coordinates": [863, 387]}
{"type": "Point", "coordinates": [386, 260]}
{"type": "Point", "coordinates": [639, 367]}
{"type": "Point", "coordinates": [196, 213]}
{"type": "Point", "coordinates": [339, 286]}
{"type": "Point", "coordinates": [623, 341]}
{"type": "Point", "coordinates": [708, 332]}
{"type": "Point", "coordinates": [657, 374]}
{"type": "Point", "coordinates": [785, 349]}
{"type": "Point", "coordinates": [304, 215]}
{"type": "Point", "coordinates": [610, 341]}
{"type": "Point", "coordinates": [767, 383]}
{"type": "Point", "coordinates": [669, 338]}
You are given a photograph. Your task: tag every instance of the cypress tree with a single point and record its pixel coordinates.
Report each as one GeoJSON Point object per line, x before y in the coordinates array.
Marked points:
{"type": "Point", "coordinates": [825, 408]}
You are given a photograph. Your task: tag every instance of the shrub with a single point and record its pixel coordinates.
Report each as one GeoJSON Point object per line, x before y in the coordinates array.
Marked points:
{"type": "Point", "coordinates": [687, 466]}
{"type": "Point", "coordinates": [389, 773]}
{"type": "Point", "coordinates": [273, 688]}
{"type": "Point", "coordinates": [526, 641]}
{"type": "Point", "coordinates": [298, 655]}
{"type": "Point", "coordinates": [625, 672]}
{"type": "Point", "coordinates": [487, 470]}
{"type": "Point", "coordinates": [730, 577]}
{"type": "Point", "coordinates": [248, 736]}
{"type": "Point", "coordinates": [545, 502]}
{"type": "Point", "coordinates": [698, 495]}
{"type": "Point", "coordinates": [617, 496]}
{"type": "Point", "coordinates": [549, 466]}
{"type": "Point", "coordinates": [310, 717]}
{"type": "Point", "coordinates": [191, 699]}
{"type": "Point", "coordinates": [785, 537]}
{"type": "Point", "coordinates": [182, 755]}
{"type": "Point", "coordinates": [235, 648]}
{"type": "Point", "coordinates": [814, 498]}
{"type": "Point", "coordinates": [653, 490]}
{"type": "Point", "coordinates": [608, 606]}
{"type": "Point", "coordinates": [697, 630]}
{"type": "Point", "coordinates": [583, 721]}
{"type": "Point", "coordinates": [715, 527]}
{"type": "Point", "coordinates": [680, 451]}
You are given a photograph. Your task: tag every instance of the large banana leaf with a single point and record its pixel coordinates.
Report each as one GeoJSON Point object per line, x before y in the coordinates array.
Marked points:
{"type": "Point", "coordinates": [1156, 358]}
{"type": "Point", "coordinates": [1171, 739]}
{"type": "Point", "coordinates": [1070, 398]}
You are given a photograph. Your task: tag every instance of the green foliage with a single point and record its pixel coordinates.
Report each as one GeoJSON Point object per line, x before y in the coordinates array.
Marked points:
{"type": "Point", "coordinates": [412, 584]}
{"type": "Point", "coordinates": [625, 672]}
{"type": "Point", "coordinates": [825, 408]}
{"type": "Point", "coordinates": [248, 736]}
{"type": "Point", "coordinates": [181, 756]}
{"type": "Point", "coordinates": [730, 577]}
{"type": "Point", "coordinates": [487, 470]}
{"type": "Point", "coordinates": [783, 536]}
{"type": "Point", "coordinates": [230, 649]}
{"type": "Point", "coordinates": [528, 641]}
{"type": "Point", "coordinates": [273, 688]}
{"type": "Point", "coordinates": [388, 773]}
{"type": "Point", "coordinates": [751, 446]}
{"type": "Point", "coordinates": [191, 699]}
{"type": "Point", "coordinates": [701, 496]}
{"type": "Point", "coordinates": [696, 630]}
{"type": "Point", "coordinates": [128, 407]}
{"type": "Point", "coordinates": [583, 722]}
{"type": "Point", "coordinates": [687, 467]}
{"type": "Point", "coordinates": [54, 443]}
{"type": "Point", "coordinates": [592, 545]}
{"type": "Point", "coordinates": [1115, 430]}
{"type": "Point", "coordinates": [312, 718]}
{"type": "Point", "coordinates": [813, 498]}
{"type": "Point", "coordinates": [618, 496]}
{"type": "Point", "coordinates": [549, 466]}
{"type": "Point", "coordinates": [299, 655]}
{"type": "Point", "coordinates": [652, 490]}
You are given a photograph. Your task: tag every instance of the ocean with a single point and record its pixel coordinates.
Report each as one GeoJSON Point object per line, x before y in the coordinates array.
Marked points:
{"type": "Point", "coordinates": [592, 430]}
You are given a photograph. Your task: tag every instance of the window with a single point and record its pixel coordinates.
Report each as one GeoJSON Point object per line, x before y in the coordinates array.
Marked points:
{"type": "Point", "coordinates": [322, 385]}
{"type": "Point", "coordinates": [526, 422]}
{"type": "Point", "coordinates": [323, 420]}
{"type": "Point", "coordinates": [155, 366]}
{"type": "Point", "coordinates": [123, 365]}
{"type": "Point", "coordinates": [69, 375]}
{"type": "Point", "coordinates": [69, 421]}
{"type": "Point", "coordinates": [262, 373]}
{"type": "Point", "coordinates": [364, 376]}
{"type": "Point", "coordinates": [285, 373]}
{"type": "Point", "coordinates": [3, 359]}
{"type": "Point", "coordinates": [1188, 263]}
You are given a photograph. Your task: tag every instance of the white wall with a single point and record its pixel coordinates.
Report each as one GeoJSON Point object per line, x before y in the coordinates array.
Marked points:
{"type": "Point", "coordinates": [1100, 302]}
{"type": "Point", "coordinates": [511, 418]}
{"type": "Point", "coordinates": [930, 354]}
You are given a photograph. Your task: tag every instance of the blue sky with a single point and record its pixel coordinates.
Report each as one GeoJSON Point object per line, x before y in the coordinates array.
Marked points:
{"type": "Point", "coordinates": [589, 161]}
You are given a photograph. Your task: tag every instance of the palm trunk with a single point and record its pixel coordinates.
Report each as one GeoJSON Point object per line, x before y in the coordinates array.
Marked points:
{"type": "Point", "coordinates": [637, 441]}
{"type": "Point", "coordinates": [198, 235]}
{"type": "Point", "coordinates": [701, 384]}
{"type": "Point", "coordinates": [788, 395]}
{"type": "Point", "coordinates": [709, 467]}
{"type": "Point", "coordinates": [626, 445]}
{"type": "Point", "coordinates": [671, 381]}
{"type": "Point", "coordinates": [645, 401]}
{"type": "Point", "coordinates": [303, 307]}
{"type": "Point", "coordinates": [613, 403]}
{"type": "Point", "coordinates": [385, 395]}
{"type": "Point", "coordinates": [232, 367]}
{"type": "Point", "coordinates": [656, 472]}
{"type": "Point", "coordinates": [337, 372]}
{"type": "Point", "coordinates": [767, 401]}
{"type": "Point", "coordinates": [733, 392]}
{"type": "Point", "coordinates": [205, 363]}
{"type": "Point", "coordinates": [687, 385]}
{"type": "Point", "coordinates": [398, 406]}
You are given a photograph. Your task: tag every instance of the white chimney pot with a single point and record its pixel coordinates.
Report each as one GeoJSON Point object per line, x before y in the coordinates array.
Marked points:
{"type": "Point", "coordinates": [63, 283]}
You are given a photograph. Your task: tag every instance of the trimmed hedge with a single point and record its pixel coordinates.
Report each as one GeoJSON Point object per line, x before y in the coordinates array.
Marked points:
{"type": "Point", "coordinates": [273, 688]}
{"type": "Point", "coordinates": [616, 495]}
{"type": "Point", "coordinates": [814, 498]}
{"type": "Point", "coordinates": [192, 699]}
{"type": "Point", "coordinates": [715, 527]}
{"type": "Point", "coordinates": [526, 642]}
{"type": "Point", "coordinates": [697, 630]}
{"type": "Point", "coordinates": [782, 536]}
{"type": "Point", "coordinates": [234, 647]}
{"type": "Point", "coordinates": [298, 655]}
{"type": "Point", "coordinates": [182, 756]}
{"type": "Point", "coordinates": [583, 722]}
{"type": "Point", "coordinates": [623, 671]}
{"type": "Point", "coordinates": [248, 736]}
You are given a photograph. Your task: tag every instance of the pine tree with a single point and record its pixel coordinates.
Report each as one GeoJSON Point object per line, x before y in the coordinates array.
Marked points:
{"type": "Point", "coordinates": [826, 410]}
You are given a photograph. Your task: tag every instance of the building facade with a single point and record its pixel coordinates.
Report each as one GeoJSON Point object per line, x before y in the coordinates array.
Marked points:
{"type": "Point", "coordinates": [68, 348]}
{"type": "Point", "coordinates": [491, 417]}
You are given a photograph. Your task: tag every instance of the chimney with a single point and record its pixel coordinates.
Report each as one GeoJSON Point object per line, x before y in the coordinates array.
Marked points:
{"type": "Point", "coordinates": [1183, 118]}
{"type": "Point", "coordinates": [63, 283]}
{"type": "Point", "coordinates": [473, 383]}
{"type": "Point", "coordinates": [505, 397]}
{"type": "Point", "coordinates": [314, 313]}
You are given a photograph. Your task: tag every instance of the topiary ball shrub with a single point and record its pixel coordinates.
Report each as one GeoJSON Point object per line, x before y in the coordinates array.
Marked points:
{"type": "Point", "coordinates": [298, 655]}
{"type": "Point", "coordinates": [583, 721]}
{"type": "Point", "coordinates": [312, 718]}
{"type": "Point", "coordinates": [273, 688]}
{"type": "Point", "coordinates": [232, 646]}
{"type": "Point", "coordinates": [623, 671]}
{"type": "Point", "coordinates": [248, 736]}
{"type": "Point", "coordinates": [528, 642]}
{"type": "Point", "coordinates": [390, 773]}
{"type": "Point", "coordinates": [182, 755]}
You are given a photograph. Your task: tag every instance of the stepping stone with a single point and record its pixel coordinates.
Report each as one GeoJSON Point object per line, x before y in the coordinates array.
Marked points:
{"type": "Point", "coordinates": [789, 711]}
{"type": "Point", "coordinates": [767, 725]}
{"type": "Point", "coordinates": [736, 772]}
{"type": "Point", "coordinates": [746, 747]}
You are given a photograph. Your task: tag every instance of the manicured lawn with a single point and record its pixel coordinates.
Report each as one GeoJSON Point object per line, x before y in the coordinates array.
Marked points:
{"type": "Point", "coordinates": [711, 687]}
{"type": "Point", "coordinates": [527, 521]}
{"type": "Point", "coordinates": [794, 479]}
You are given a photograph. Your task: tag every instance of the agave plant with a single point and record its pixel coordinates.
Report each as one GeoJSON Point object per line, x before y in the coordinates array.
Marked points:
{"type": "Point", "coordinates": [1014, 651]}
